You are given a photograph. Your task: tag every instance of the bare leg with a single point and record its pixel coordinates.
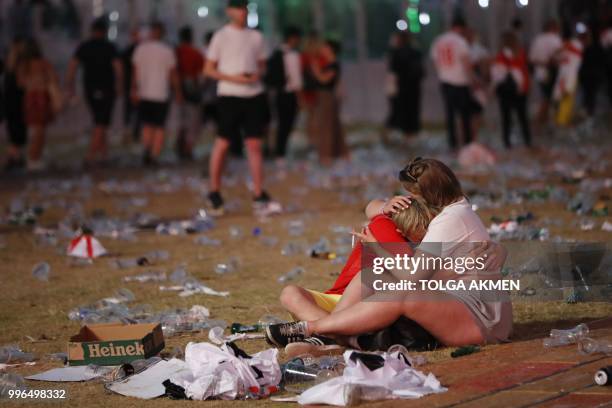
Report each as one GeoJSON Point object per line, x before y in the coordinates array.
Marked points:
{"type": "Point", "coordinates": [147, 137]}
{"type": "Point", "coordinates": [445, 318]}
{"type": "Point", "coordinates": [217, 159]}
{"type": "Point", "coordinates": [158, 142]}
{"type": "Point", "coordinates": [255, 158]}
{"type": "Point", "coordinates": [38, 142]}
{"type": "Point", "coordinates": [97, 148]}
{"type": "Point", "coordinates": [300, 303]}
{"type": "Point", "coordinates": [353, 294]}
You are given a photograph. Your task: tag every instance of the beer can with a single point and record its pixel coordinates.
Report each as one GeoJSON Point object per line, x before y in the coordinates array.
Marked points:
{"type": "Point", "coordinates": [603, 376]}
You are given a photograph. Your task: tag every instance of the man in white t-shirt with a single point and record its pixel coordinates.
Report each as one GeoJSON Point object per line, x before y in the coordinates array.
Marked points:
{"type": "Point", "coordinates": [237, 59]}
{"type": "Point", "coordinates": [451, 56]}
{"type": "Point", "coordinates": [542, 55]}
{"type": "Point", "coordinates": [154, 71]}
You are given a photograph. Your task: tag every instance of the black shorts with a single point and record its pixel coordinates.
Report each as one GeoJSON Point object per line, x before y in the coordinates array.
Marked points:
{"type": "Point", "coordinates": [238, 116]}
{"type": "Point", "coordinates": [101, 103]}
{"type": "Point", "coordinates": [153, 113]}
{"type": "Point", "coordinates": [403, 331]}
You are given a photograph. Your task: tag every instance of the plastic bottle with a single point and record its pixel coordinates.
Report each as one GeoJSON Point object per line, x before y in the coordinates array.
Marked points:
{"type": "Point", "coordinates": [292, 274]}
{"type": "Point", "coordinates": [267, 320]}
{"type": "Point", "coordinates": [151, 276]}
{"type": "Point", "coordinates": [230, 266]}
{"type": "Point", "coordinates": [298, 377]}
{"type": "Point", "coordinates": [206, 241]}
{"type": "Point", "coordinates": [269, 241]}
{"type": "Point", "coordinates": [581, 330]}
{"type": "Point", "coordinates": [125, 295]}
{"type": "Point", "coordinates": [292, 248]}
{"type": "Point", "coordinates": [587, 345]}
{"type": "Point", "coordinates": [13, 354]}
{"type": "Point", "coordinates": [243, 328]}
{"type": "Point", "coordinates": [41, 271]}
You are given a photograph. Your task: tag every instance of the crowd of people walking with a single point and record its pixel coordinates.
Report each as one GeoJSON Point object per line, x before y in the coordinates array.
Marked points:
{"type": "Point", "coordinates": [236, 83]}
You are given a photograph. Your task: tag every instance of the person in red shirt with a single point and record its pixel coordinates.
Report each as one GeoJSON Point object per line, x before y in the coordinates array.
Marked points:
{"type": "Point", "coordinates": [305, 303]}
{"type": "Point", "coordinates": [190, 64]}
{"type": "Point", "coordinates": [510, 75]}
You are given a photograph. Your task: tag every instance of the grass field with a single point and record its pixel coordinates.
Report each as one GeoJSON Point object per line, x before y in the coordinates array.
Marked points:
{"type": "Point", "coordinates": [36, 309]}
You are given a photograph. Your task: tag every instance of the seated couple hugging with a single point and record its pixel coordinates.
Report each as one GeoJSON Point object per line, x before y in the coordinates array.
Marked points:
{"type": "Point", "coordinates": [437, 213]}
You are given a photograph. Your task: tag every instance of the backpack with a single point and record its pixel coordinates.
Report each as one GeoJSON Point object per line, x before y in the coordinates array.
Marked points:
{"type": "Point", "coordinates": [275, 73]}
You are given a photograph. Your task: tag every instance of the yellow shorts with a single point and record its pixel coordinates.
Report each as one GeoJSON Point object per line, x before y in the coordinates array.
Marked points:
{"type": "Point", "coordinates": [325, 301]}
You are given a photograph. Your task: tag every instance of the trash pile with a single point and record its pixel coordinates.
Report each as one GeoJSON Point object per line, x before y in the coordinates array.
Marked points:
{"type": "Point", "coordinates": [578, 335]}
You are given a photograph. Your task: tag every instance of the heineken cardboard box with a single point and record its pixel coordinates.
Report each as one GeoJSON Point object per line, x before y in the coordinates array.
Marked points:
{"type": "Point", "coordinates": [115, 343]}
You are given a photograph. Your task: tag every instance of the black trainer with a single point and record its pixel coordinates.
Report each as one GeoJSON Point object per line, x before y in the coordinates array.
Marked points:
{"type": "Point", "coordinates": [263, 198]}
{"type": "Point", "coordinates": [216, 202]}
{"type": "Point", "coordinates": [280, 335]}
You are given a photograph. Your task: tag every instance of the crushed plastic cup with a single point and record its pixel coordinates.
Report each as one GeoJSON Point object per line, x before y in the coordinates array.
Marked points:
{"type": "Point", "coordinates": [124, 295]}
{"type": "Point", "coordinates": [232, 265]}
{"type": "Point", "coordinates": [269, 241]}
{"type": "Point", "coordinates": [157, 256]}
{"type": "Point", "coordinates": [41, 271]}
{"type": "Point", "coordinates": [292, 274]}
{"type": "Point", "coordinates": [295, 228]}
{"type": "Point", "coordinates": [206, 241]}
{"type": "Point", "coordinates": [565, 337]}
{"type": "Point", "coordinates": [151, 276]}
{"type": "Point", "coordinates": [292, 248]}
{"type": "Point", "coordinates": [298, 377]}
{"type": "Point", "coordinates": [587, 345]}
{"type": "Point", "coordinates": [235, 232]}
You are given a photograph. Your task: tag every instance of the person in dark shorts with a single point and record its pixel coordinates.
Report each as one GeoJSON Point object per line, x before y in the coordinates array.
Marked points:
{"type": "Point", "coordinates": [237, 58]}
{"type": "Point", "coordinates": [13, 112]}
{"type": "Point", "coordinates": [131, 123]}
{"type": "Point", "coordinates": [154, 72]}
{"type": "Point", "coordinates": [102, 78]}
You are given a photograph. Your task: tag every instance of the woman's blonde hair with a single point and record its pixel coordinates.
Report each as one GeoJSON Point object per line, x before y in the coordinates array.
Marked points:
{"type": "Point", "coordinates": [415, 218]}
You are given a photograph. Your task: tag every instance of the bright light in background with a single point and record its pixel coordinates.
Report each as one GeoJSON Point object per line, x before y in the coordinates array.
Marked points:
{"type": "Point", "coordinates": [252, 20]}
{"type": "Point", "coordinates": [581, 28]}
{"type": "Point", "coordinates": [424, 18]}
{"type": "Point", "coordinates": [401, 25]}
{"type": "Point", "coordinates": [202, 11]}
{"type": "Point", "coordinates": [522, 3]}
{"type": "Point", "coordinates": [114, 16]}
{"type": "Point", "coordinates": [483, 3]}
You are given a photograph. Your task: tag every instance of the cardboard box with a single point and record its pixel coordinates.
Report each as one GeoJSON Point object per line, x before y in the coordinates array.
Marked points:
{"type": "Point", "coordinates": [115, 343]}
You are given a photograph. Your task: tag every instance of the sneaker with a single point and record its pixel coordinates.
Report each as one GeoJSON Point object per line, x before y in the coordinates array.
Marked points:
{"type": "Point", "coordinates": [216, 203]}
{"type": "Point", "coordinates": [315, 346]}
{"type": "Point", "coordinates": [263, 198]}
{"type": "Point", "coordinates": [280, 335]}
{"type": "Point", "coordinates": [264, 206]}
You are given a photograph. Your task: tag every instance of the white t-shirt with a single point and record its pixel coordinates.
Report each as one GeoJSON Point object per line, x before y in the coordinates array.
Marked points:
{"type": "Point", "coordinates": [237, 51]}
{"type": "Point", "coordinates": [457, 223]}
{"type": "Point", "coordinates": [450, 52]}
{"type": "Point", "coordinates": [544, 47]}
{"type": "Point", "coordinates": [293, 69]}
{"type": "Point", "coordinates": [153, 61]}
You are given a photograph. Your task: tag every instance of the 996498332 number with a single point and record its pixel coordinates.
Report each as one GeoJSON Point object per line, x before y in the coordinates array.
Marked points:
{"type": "Point", "coordinates": [37, 394]}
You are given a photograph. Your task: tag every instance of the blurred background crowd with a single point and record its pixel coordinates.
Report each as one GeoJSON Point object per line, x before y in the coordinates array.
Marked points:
{"type": "Point", "coordinates": [68, 69]}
